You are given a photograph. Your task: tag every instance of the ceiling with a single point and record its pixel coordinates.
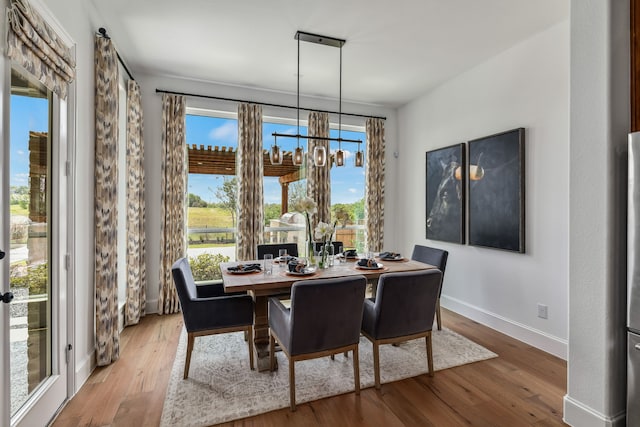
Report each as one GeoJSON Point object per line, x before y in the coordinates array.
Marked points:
{"type": "Point", "coordinates": [395, 50]}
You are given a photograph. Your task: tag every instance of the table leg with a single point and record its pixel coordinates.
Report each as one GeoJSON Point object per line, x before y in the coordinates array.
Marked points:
{"type": "Point", "coordinates": [261, 332]}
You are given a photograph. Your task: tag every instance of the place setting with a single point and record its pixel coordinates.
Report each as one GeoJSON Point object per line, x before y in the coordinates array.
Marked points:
{"type": "Point", "coordinates": [368, 262]}
{"type": "Point", "coordinates": [298, 267]}
{"type": "Point", "coordinates": [391, 256]}
{"type": "Point", "coordinates": [244, 269]}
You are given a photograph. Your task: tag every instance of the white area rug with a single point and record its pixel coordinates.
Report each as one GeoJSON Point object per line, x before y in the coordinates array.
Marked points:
{"type": "Point", "coordinates": [221, 387]}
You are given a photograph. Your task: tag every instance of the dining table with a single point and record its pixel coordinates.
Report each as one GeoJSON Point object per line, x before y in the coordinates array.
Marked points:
{"type": "Point", "coordinates": [262, 286]}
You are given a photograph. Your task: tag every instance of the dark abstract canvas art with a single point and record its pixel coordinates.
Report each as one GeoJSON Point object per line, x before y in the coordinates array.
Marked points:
{"type": "Point", "coordinates": [496, 191]}
{"type": "Point", "coordinates": [445, 194]}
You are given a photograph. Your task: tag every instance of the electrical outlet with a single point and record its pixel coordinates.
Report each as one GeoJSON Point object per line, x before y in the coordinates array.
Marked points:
{"type": "Point", "coordinates": [542, 311]}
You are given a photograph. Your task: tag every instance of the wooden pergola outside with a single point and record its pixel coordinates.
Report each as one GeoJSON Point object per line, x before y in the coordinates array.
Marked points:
{"type": "Point", "coordinates": [222, 161]}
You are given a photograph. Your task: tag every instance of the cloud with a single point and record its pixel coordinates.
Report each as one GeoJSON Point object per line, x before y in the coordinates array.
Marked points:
{"type": "Point", "coordinates": [20, 152]}
{"type": "Point", "coordinates": [225, 133]}
{"type": "Point", "coordinates": [352, 190]}
{"type": "Point", "coordinates": [20, 179]}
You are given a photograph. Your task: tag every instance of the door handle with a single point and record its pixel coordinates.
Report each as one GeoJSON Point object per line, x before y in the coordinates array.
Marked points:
{"type": "Point", "coordinates": [637, 346]}
{"type": "Point", "coordinates": [6, 298]}
{"type": "Point", "coordinates": [1, 254]}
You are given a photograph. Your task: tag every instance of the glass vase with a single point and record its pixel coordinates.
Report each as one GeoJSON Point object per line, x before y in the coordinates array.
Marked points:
{"type": "Point", "coordinates": [326, 256]}
{"type": "Point", "coordinates": [310, 249]}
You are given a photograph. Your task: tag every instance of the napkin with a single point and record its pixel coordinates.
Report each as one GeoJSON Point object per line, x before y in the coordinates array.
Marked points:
{"type": "Point", "coordinates": [368, 263]}
{"type": "Point", "coordinates": [391, 255]}
{"type": "Point", "coordinates": [245, 267]}
{"type": "Point", "coordinates": [350, 253]}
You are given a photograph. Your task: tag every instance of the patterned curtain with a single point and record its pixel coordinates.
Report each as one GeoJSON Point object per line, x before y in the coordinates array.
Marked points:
{"type": "Point", "coordinates": [172, 198]}
{"type": "Point", "coordinates": [319, 178]}
{"type": "Point", "coordinates": [136, 270]}
{"type": "Point", "coordinates": [249, 167]}
{"type": "Point", "coordinates": [374, 187]}
{"type": "Point", "coordinates": [33, 44]}
{"type": "Point", "coordinates": [106, 202]}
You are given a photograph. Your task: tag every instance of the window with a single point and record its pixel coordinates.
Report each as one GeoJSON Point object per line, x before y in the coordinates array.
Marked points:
{"type": "Point", "coordinates": [211, 187]}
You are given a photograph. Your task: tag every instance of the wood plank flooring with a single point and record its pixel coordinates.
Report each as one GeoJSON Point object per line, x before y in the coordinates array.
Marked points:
{"type": "Point", "coordinates": [522, 387]}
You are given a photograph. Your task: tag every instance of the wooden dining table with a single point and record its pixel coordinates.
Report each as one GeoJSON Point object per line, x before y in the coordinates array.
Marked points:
{"type": "Point", "coordinates": [262, 286]}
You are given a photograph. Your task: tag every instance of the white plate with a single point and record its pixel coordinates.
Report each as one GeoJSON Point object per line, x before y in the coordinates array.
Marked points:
{"type": "Point", "coordinates": [400, 258]}
{"type": "Point", "coordinates": [379, 267]}
{"type": "Point", "coordinates": [244, 271]}
{"type": "Point", "coordinates": [306, 272]}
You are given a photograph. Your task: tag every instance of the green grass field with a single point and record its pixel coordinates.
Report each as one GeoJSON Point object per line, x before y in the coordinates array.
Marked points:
{"type": "Point", "coordinates": [17, 210]}
{"type": "Point", "coordinates": [209, 217]}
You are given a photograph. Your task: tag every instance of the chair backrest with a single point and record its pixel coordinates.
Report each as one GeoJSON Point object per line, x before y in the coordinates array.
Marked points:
{"type": "Point", "coordinates": [336, 246]}
{"type": "Point", "coordinates": [405, 302]}
{"type": "Point", "coordinates": [326, 313]}
{"type": "Point", "coordinates": [185, 285]}
{"type": "Point", "coordinates": [428, 255]}
{"type": "Point", "coordinates": [273, 248]}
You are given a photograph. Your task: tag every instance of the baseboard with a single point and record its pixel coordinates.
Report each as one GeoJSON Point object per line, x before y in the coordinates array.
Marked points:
{"type": "Point", "coordinates": [579, 415]}
{"type": "Point", "coordinates": [519, 331]}
{"type": "Point", "coordinates": [151, 306]}
{"type": "Point", "coordinates": [84, 370]}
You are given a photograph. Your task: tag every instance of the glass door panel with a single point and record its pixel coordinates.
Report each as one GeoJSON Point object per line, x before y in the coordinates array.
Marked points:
{"type": "Point", "coordinates": [30, 319]}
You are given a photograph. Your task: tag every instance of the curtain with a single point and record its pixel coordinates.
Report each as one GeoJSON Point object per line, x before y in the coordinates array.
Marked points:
{"type": "Point", "coordinates": [106, 202]}
{"type": "Point", "coordinates": [136, 270]}
{"type": "Point", "coordinates": [32, 43]}
{"type": "Point", "coordinates": [374, 186]}
{"type": "Point", "coordinates": [319, 178]}
{"type": "Point", "coordinates": [172, 198]}
{"type": "Point", "coordinates": [249, 167]}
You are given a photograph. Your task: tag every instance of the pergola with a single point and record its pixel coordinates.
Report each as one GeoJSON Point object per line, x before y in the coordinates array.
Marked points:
{"type": "Point", "coordinates": [222, 161]}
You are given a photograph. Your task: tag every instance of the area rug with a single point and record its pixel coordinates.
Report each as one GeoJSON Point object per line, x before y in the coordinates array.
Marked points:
{"type": "Point", "coordinates": [222, 388]}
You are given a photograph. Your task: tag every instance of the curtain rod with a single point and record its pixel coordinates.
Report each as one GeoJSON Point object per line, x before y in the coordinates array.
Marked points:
{"type": "Point", "coordinates": [103, 33]}
{"type": "Point", "coordinates": [268, 104]}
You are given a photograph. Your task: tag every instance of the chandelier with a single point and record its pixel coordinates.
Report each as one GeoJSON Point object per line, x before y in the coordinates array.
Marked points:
{"type": "Point", "coordinates": [319, 152]}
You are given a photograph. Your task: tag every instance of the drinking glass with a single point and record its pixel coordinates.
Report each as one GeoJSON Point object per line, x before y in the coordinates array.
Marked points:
{"type": "Point", "coordinates": [282, 254]}
{"type": "Point", "coordinates": [330, 255]}
{"type": "Point", "coordinates": [268, 263]}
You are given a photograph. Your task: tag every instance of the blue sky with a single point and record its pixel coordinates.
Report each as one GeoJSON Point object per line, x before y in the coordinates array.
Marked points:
{"type": "Point", "coordinates": [347, 182]}
{"type": "Point", "coordinates": [27, 114]}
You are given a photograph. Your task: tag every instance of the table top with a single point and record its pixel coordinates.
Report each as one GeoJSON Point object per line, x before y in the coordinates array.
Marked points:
{"type": "Point", "coordinates": [279, 280]}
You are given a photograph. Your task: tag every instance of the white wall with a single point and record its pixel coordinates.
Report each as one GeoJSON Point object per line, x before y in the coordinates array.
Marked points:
{"type": "Point", "coordinates": [525, 86]}
{"type": "Point", "coordinates": [151, 104]}
{"type": "Point", "coordinates": [599, 125]}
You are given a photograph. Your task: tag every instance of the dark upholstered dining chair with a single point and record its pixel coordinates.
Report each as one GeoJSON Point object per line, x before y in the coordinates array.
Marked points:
{"type": "Point", "coordinates": [212, 314]}
{"type": "Point", "coordinates": [402, 310]}
{"type": "Point", "coordinates": [438, 258]}
{"type": "Point", "coordinates": [324, 319]}
{"type": "Point", "coordinates": [273, 248]}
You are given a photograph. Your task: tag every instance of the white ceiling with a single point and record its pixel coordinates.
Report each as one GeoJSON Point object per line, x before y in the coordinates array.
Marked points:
{"type": "Point", "coordinates": [395, 50]}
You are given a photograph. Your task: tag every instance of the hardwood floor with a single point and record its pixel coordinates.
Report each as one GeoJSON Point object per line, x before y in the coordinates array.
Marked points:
{"type": "Point", "coordinates": [522, 387]}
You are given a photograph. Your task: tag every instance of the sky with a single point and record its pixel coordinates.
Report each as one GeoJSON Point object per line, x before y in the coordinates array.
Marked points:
{"type": "Point", "coordinates": [27, 114]}
{"type": "Point", "coordinates": [347, 182]}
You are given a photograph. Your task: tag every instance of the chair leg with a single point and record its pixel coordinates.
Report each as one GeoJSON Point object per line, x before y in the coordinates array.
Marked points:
{"type": "Point", "coordinates": [429, 354]}
{"type": "Point", "coordinates": [190, 340]}
{"type": "Point", "coordinates": [292, 385]}
{"type": "Point", "coordinates": [249, 333]}
{"type": "Point", "coordinates": [376, 364]}
{"type": "Point", "coordinates": [356, 369]}
{"type": "Point", "coordinates": [272, 351]}
{"type": "Point", "coordinates": [438, 314]}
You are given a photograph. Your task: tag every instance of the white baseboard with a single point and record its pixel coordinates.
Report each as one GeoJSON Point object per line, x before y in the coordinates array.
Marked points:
{"type": "Point", "coordinates": [519, 331]}
{"type": "Point", "coordinates": [151, 307]}
{"type": "Point", "coordinates": [579, 415]}
{"type": "Point", "coordinates": [84, 369]}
